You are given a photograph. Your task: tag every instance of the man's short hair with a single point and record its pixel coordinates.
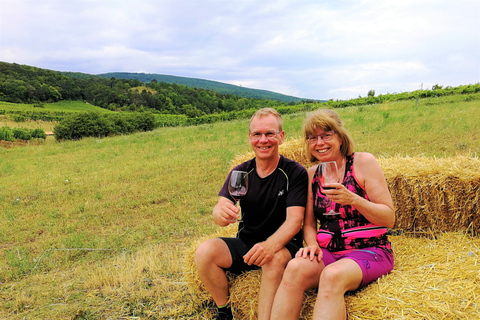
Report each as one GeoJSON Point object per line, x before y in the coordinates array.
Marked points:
{"type": "Point", "coordinates": [266, 112]}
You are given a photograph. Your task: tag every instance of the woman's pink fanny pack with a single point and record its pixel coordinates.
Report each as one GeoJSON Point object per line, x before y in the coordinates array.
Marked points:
{"type": "Point", "coordinates": [324, 237]}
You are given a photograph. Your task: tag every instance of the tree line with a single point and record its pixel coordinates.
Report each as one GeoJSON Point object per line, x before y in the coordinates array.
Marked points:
{"type": "Point", "coordinates": [154, 104]}
{"type": "Point", "coordinates": [204, 84]}
{"type": "Point", "coordinates": [27, 84]}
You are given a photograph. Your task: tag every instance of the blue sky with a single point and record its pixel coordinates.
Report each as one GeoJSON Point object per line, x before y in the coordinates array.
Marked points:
{"type": "Point", "coordinates": [305, 48]}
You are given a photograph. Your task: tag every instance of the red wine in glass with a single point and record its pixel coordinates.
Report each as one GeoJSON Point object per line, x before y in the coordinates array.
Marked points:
{"type": "Point", "coordinates": [238, 194]}
{"type": "Point", "coordinates": [238, 185]}
{"type": "Point", "coordinates": [327, 188]}
{"type": "Point", "coordinates": [328, 173]}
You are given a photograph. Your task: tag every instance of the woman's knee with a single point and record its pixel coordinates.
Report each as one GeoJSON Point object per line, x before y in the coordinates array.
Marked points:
{"type": "Point", "coordinates": [330, 276]}
{"type": "Point", "coordinates": [339, 278]}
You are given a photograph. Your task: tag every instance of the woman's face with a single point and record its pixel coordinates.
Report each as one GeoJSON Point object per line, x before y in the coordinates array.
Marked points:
{"type": "Point", "coordinates": [326, 146]}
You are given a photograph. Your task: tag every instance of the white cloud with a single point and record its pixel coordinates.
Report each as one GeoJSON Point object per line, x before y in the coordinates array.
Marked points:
{"type": "Point", "coordinates": [308, 48]}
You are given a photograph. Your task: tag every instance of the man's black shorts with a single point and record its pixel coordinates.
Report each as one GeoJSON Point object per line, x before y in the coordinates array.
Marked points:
{"type": "Point", "coordinates": [238, 249]}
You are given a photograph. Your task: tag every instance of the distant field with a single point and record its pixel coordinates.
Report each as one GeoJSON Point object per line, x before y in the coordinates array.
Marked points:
{"type": "Point", "coordinates": [65, 106]}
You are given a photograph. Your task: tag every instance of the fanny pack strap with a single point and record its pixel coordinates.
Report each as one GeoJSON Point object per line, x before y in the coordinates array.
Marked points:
{"type": "Point", "coordinates": [337, 243]}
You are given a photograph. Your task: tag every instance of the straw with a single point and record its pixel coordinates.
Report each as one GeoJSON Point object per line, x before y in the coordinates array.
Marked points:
{"type": "Point", "coordinates": [437, 267]}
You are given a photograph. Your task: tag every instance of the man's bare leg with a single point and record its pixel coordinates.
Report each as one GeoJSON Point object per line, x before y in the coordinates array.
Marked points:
{"type": "Point", "coordinates": [272, 274]}
{"type": "Point", "coordinates": [210, 258]}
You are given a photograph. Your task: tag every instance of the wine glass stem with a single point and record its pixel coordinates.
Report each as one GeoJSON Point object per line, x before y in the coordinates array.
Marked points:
{"type": "Point", "coordinates": [238, 202]}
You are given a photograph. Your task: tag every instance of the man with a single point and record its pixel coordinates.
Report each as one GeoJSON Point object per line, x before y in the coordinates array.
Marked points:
{"type": "Point", "coordinates": [272, 215]}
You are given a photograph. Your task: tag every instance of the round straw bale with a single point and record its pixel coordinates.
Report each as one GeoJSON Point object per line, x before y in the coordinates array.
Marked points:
{"type": "Point", "coordinates": [433, 278]}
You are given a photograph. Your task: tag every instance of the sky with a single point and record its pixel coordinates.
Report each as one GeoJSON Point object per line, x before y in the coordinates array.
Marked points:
{"type": "Point", "coordinates": [314, 49]}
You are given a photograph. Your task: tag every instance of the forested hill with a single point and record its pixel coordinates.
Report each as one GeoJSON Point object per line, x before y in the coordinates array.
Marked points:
{"type": "Point", "coordinates": [27, 84]}
{"type": "Point", "coordinates": [204, 84]}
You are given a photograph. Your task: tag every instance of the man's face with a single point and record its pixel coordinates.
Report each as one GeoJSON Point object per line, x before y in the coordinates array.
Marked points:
{"type": "Point", "coordinates": [265, 137]}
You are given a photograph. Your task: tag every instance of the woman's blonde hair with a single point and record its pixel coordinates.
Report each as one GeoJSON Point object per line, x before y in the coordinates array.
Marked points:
{"type": "Point", "coordinates": [327, 120]}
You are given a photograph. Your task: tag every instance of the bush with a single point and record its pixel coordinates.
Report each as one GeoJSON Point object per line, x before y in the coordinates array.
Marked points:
{"type": "Point", "coordinates": [38, 134]}
{"type": "Point", "coordinates": [22, 134]}
{"type": "Point", "coordinates": [9, 134]}
{"type": "Point", "coordinates": [92, 124]}
{"type": "Point", "coordinates": [6, 133]}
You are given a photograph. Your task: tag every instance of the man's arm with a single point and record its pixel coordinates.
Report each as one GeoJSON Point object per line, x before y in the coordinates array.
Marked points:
{"type": "Point", "coordinates": [264, 251]}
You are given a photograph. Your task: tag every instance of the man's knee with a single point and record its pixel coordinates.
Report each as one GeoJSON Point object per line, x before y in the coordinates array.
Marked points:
{"type": "Point", "coordinates": [205, 250]}
{"type": "Point", "coordinates": [278, 262]}
{"type": "Point", "coordinates": [212, 251]}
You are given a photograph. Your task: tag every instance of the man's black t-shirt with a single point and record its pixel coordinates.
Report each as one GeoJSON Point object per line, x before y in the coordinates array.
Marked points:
{"type": "Point", "coordinates": [264, 207]}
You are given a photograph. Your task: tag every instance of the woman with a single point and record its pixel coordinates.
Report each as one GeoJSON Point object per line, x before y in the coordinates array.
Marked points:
{"type": "Point", "coordinates": [351, 249]}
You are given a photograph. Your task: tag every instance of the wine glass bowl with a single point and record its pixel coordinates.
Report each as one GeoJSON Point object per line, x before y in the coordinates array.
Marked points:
{"type": "Point", "coordinates": [328, 173]}
{"type": "Point", "coordinates": [238, 185]}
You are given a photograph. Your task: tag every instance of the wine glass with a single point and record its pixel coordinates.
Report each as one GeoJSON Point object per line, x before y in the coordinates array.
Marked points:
{"type": "Point", "coordinates": [328, 175]}
{"type": "Point", "coordinates": [238, 185]}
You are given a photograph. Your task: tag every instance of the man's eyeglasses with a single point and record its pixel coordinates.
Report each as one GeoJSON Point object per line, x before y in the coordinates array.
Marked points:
{"type": "Point", "coordinates": [270, 135]}
{"type": "Point", "coordinates": [327, 136]}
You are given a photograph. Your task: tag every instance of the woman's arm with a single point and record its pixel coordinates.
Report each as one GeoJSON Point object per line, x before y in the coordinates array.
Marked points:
{"type": "Point", "coordinates": [312, 248]}
{"type": "Point", "coordinates": [379, 208]}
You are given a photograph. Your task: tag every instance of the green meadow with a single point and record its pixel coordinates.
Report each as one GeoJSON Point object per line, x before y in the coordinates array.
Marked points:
{"type": "Point", "coordinates": [63, 106]}
{"type": "Point", "coordinates": [99, 228]}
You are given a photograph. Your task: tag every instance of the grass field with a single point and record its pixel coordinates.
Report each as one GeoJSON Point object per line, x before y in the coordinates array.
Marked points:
{"type": "Point", "coordinates": [64, 106]}
{"type": "Point", "coordinates": [98, 228]}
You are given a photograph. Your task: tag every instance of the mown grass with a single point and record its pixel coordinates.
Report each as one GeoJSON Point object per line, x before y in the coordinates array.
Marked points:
{"type": "Point", "coordinates": [98, 228]}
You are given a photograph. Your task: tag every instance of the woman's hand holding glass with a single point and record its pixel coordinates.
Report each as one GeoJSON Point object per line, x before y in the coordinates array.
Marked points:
{"type": "Point", "coordinates": [329, 177]}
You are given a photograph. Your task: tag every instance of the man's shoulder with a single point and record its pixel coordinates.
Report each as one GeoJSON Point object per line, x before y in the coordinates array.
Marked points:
{"type": "Point", "coordinates": [290, 164]}
{"type": "Point", "coordinates": [245, 165]}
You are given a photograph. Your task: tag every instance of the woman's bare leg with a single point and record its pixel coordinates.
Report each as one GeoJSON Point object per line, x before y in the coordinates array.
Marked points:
{"type": "Point", "coordinates": [336, 279]}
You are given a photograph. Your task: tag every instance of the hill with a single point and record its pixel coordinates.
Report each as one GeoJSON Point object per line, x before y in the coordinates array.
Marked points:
{"type": "Point", "coordinates": [27, 84]}
{"type": "Point", "coordinates": [205, 84]}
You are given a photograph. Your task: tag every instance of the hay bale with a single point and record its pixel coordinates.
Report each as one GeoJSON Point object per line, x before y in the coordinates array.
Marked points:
{"type": "Point", "coordinates": [434, 194]}
{"type": "Point", "coordinates": [433, 278]}
{"type": "Point", "coordinates": [293, 149]}
{"type": "Point", "coordinates": [439, 194]}
{"type": "Point", "coordinates": [436, 278]}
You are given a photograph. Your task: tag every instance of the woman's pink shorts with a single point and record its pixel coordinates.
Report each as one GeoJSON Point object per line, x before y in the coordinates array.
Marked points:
{"type": "Point", "coordinates": [374, 262]}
